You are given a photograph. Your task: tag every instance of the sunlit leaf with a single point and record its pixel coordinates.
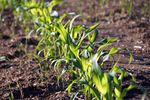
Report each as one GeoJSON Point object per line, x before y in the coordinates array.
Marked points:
{"type": "Point", "coordinates": [92, 28]}
{"type": "Point", "coordinates": [70, 85]}
{"type": "Point", "coordinates": [113, 51]}
{"type": "Point", "coordinates": [71, 22]}
{"type": "Point", "coordinates": [117, 92]}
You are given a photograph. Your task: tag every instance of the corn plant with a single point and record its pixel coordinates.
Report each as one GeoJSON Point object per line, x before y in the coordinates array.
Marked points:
{"type": "Point", "coordinates": [45, 21]}
{"type": "Point", "coordinates": [109, 84]}
{"type": "Point", "coordinates": [97, 83]}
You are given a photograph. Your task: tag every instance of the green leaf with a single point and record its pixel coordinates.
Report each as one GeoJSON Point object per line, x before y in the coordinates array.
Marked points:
{"type": "Point", "coordinates": [94, 90]}
{"type": "Point", "coordinates": [75, 57]}
{"type": "Point", "coordinates": [113, 51]}
{"type": "Point", "coordinates": [70, 86]}
{"type": "Point", "coordinates": [117, 92]}
{"type": "Point", "coordinates": [112, 40]}
{"type": "Point", "coordinates": [103, 47]}
{"type": "Point", "coordinates": [86, 66]}
{"type": "Point", "coordinates": [131, 58]}
{"type": "Point", "coordinates": [92, 28]}
{"type": "Point", "coordinates": [130, 87]}
{"type": "Point", "coordinates": [99, 78]}
{"type": "Point", "coordinates": [76, 31]}
{"type": "Point", "coordinates": [62, 18]}
{"type": "Point", "coordinates": [53, 4]}
{"type": "Point", "coordinates": [94, 36]}
{"type": "Point", "coordinates": [77, 63]}
{"type": "Point", "coordinates": [105, 84]}
{"type": "Point", "coordinates": [34, 12]}
{"type": "Point", "coordinates": [116, 81]}
{"type": "Point", "coordinates": [63, 33]}
{"type": "Point", "coordinates": [71, 22]}
{"type": "Point", "coordinates": [90, 48]}
{"type": "Point", "coordinates": [74, 50]}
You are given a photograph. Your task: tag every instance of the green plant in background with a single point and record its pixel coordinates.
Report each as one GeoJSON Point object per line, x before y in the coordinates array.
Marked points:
{"type": "Point", "coordinates": [45, 21]}
{"type": "Point", "coordinates": [128, 5]}
{"type": "Point", "coordinates": [5, 4]}
{"type": "Point", "coordinates": [103, 2]}
{"type": "Point", "coordinates": [22, 12]}
{"type": "Point", "coordinates": [145, 8]}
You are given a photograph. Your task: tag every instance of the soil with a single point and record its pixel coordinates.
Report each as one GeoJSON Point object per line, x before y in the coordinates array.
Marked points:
{"type": "Point", "coordinates": [21, 74]}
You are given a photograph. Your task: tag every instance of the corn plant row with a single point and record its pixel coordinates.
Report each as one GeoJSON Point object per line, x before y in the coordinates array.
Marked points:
{"type": "Point", "coordinates": [75, 49]}
{"type": "Point", "coordinates": [128, 6]}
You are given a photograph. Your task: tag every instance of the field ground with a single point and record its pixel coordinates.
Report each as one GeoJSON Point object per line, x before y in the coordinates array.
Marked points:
{"type": "Point", "coordinates": [20, 73]}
